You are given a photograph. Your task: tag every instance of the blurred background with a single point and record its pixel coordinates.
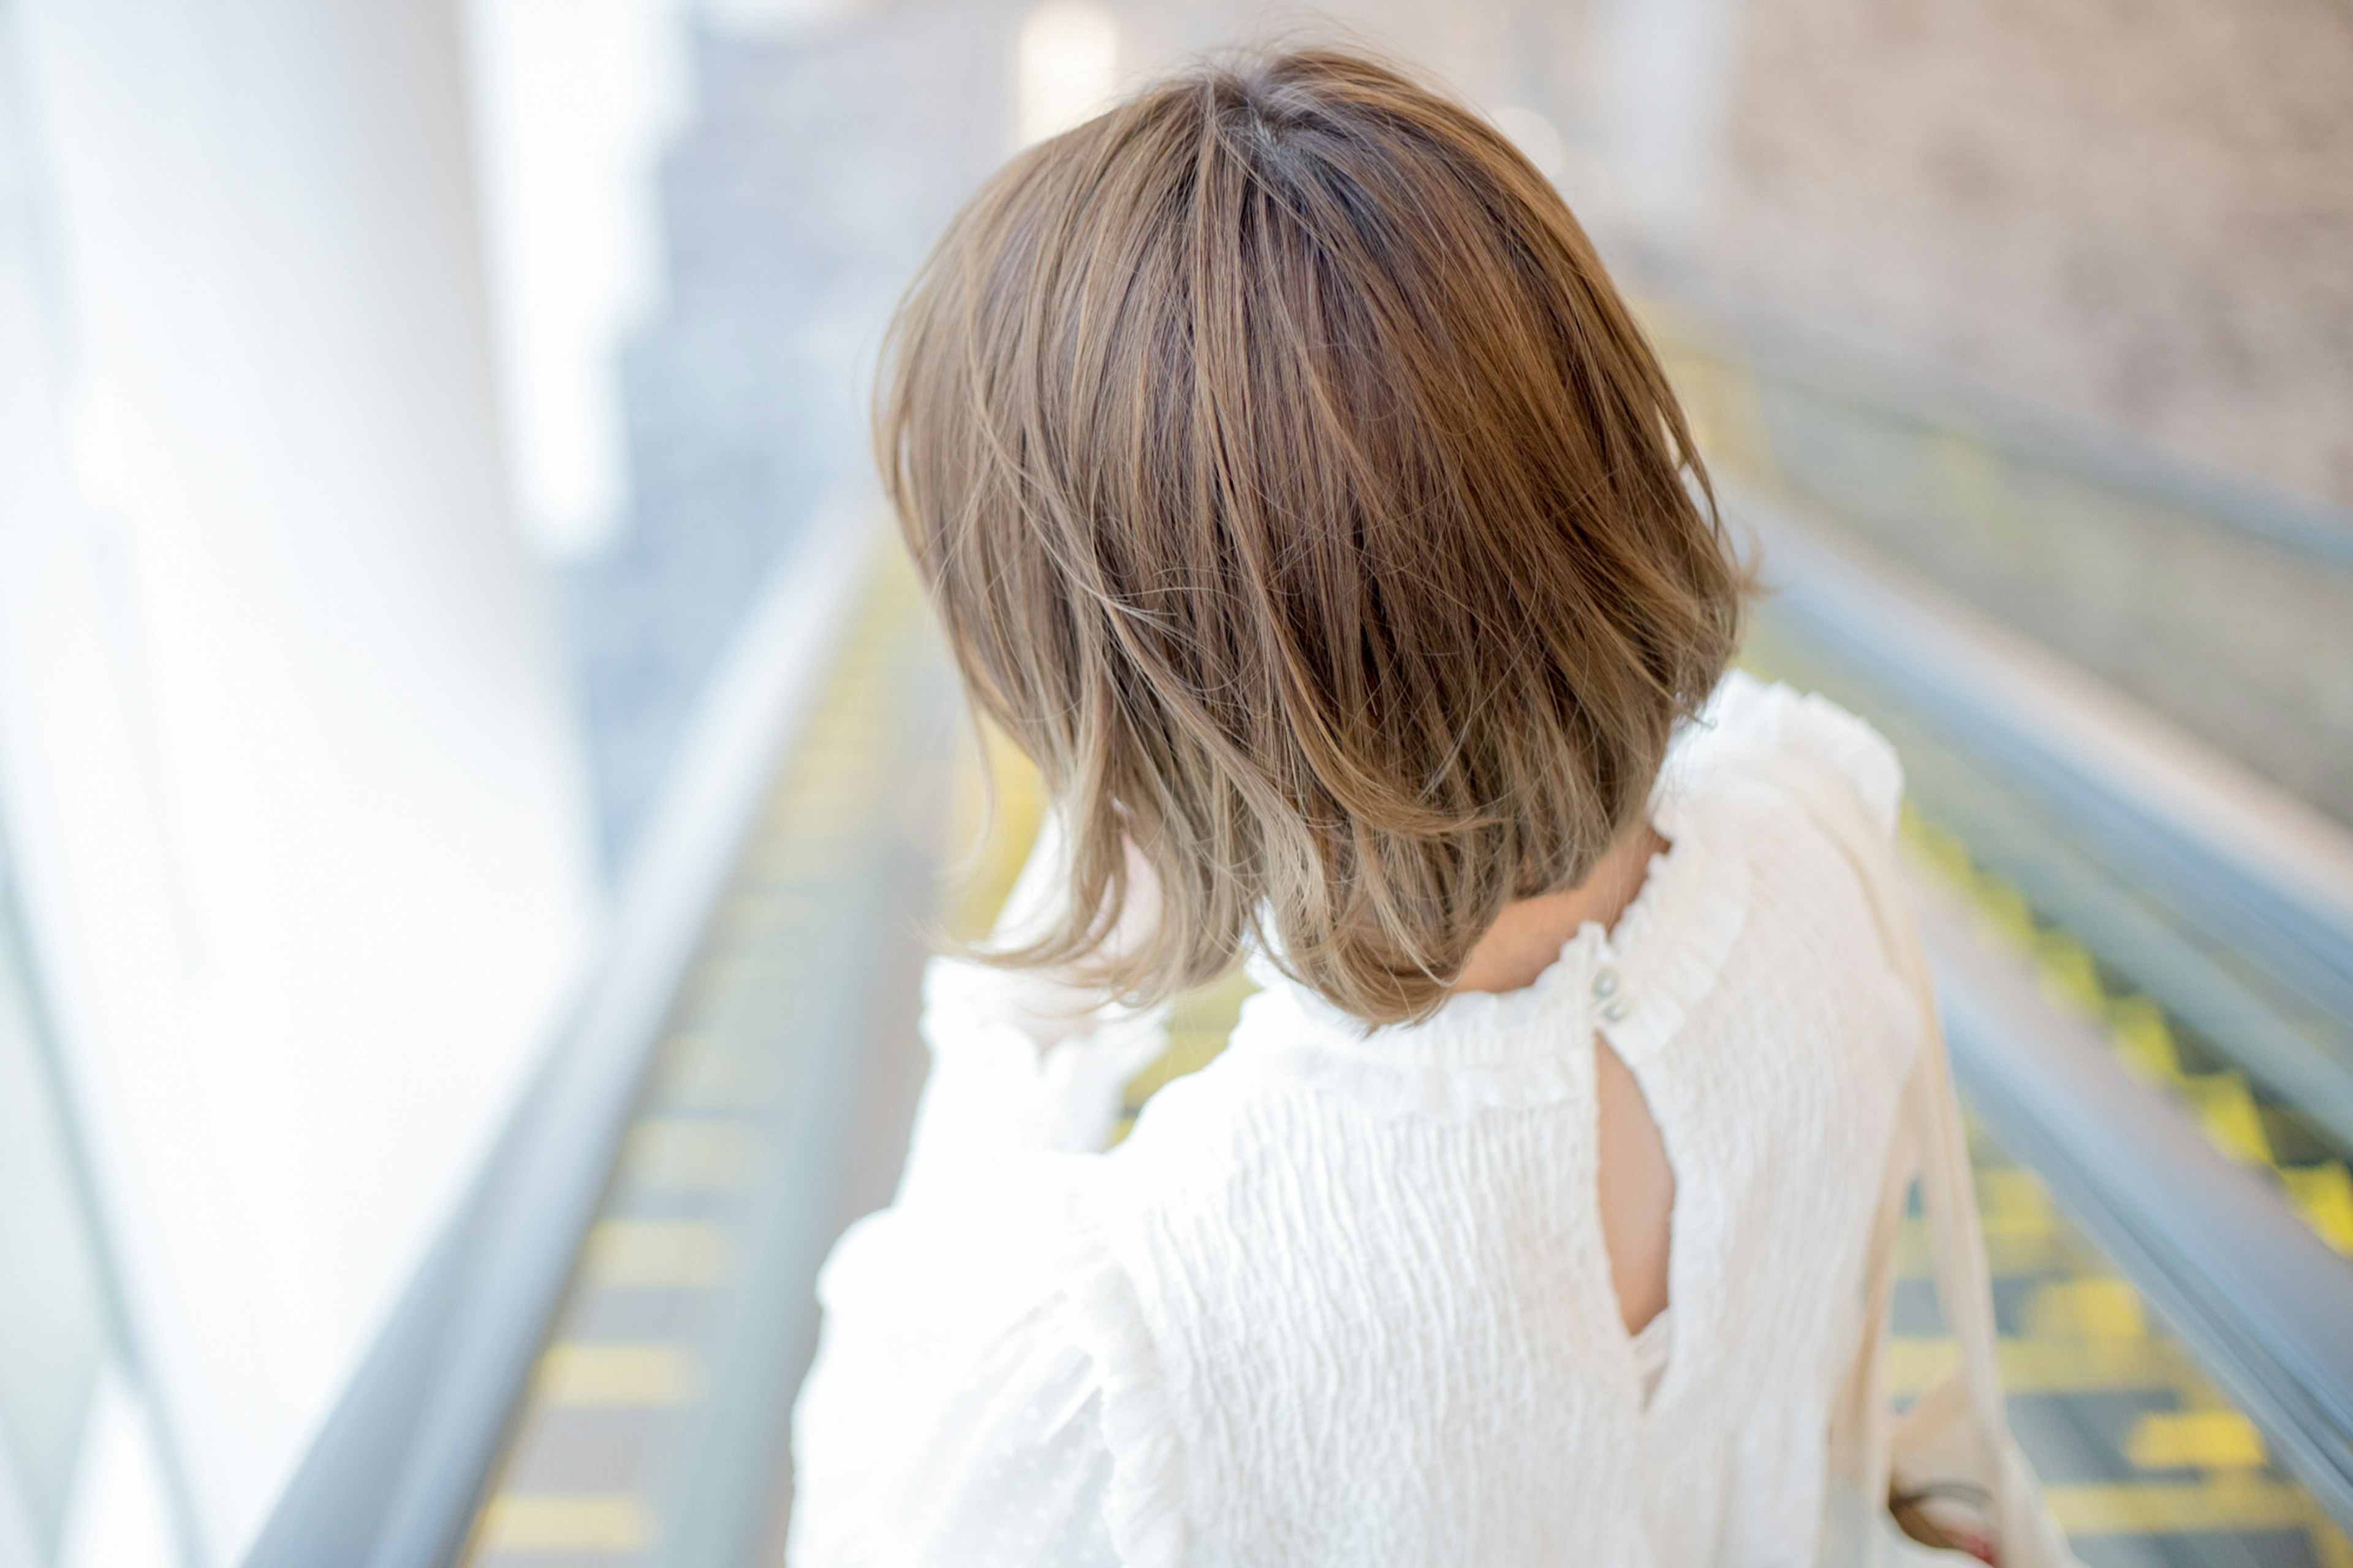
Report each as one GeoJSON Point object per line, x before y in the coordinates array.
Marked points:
{"type": "Point", "coordinates": [474, 782]}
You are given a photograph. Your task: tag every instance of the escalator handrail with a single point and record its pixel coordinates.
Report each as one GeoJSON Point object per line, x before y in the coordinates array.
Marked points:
{"type": "Point", "coordinates": [2254, 1294]}
{"type": "Point", "coordinates": [2290, 887]}
{"type": "Point", "coordinates": [395, 1474]}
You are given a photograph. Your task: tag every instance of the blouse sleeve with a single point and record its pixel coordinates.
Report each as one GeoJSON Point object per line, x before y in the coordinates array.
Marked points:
{"type": "Point", "coordinates": [983, 1391]}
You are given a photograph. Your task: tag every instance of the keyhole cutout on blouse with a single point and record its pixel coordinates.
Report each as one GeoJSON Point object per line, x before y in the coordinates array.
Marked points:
{"type": "Point", "coordinates": [1637, 1191]}
{"type": "Point", "coordinates": [1637, 1185]}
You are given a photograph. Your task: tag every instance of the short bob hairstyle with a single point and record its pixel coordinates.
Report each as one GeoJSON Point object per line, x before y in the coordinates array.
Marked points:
{"type": "Point", "coordinates": [1297, 492]}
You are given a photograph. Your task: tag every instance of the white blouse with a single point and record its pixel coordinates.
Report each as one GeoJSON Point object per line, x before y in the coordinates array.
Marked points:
{"type": "Point", "coordinates": [1341, 1299]}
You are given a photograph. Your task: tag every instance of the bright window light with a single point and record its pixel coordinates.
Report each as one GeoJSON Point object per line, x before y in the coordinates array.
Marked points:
{"type": "Point", "coordinates": [1069, 55]}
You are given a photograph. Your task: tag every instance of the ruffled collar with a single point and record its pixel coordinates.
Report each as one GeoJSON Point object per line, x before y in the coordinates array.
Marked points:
{"type": "Point", "coordinates": [1633, 984]}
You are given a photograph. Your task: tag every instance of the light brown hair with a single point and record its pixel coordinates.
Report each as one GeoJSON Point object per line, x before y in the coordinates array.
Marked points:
{"type": "Point", "coordinates": [1296, 491]}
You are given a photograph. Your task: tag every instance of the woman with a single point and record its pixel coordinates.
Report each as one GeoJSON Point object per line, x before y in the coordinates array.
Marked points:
{"type": "Point", "coordinates": [1295, 490]}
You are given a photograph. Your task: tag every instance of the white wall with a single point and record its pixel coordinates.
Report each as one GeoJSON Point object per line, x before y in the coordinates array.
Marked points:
{"type": "Point", "coordinates": [293, 785]}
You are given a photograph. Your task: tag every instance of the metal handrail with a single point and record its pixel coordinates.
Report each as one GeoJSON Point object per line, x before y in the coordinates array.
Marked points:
{"type": "Point", "coordinates": [2293, 903]}
{"type": "Point", "coordinates": [392, 1479]}
{"type": "Point", "coordinates": [2256, 1297]}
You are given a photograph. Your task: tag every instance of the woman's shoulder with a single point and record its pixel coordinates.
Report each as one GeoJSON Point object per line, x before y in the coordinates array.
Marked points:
{"type": "Point", "coordinates": [1797, 801]}
{"type": "Point", "coordinates": [1754, 731]}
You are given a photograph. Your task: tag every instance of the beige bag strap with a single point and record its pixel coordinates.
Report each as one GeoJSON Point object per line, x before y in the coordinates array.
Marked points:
{"type": "Point", "coordinates": [1956, 1241]}
{"type": "Point", "coordinates": [1929, 1126]}
{"type": "Point", "coordinates": [1860, 1428]}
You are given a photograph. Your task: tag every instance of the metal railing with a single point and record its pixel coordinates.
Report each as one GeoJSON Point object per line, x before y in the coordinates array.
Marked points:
{"type": "Point", "coordinates": [392, 1478]}
{"type": "Point", "coordinates": [2231, 903]}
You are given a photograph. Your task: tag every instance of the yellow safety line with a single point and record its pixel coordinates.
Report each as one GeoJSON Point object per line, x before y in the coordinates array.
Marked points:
{"type": "Point", "coordinates": [1915, 1364]}
{"type": "Point", "coordinates": [659, 1255]}
{"type": "Point", "coordinates": [587, 1373]}
{"type": "Point", "coordinates": [588, 1522]}
{"type": "Point", "coordinates": [686, 1154]}
{"type": "Point", "coordinates": [2225, 1502]}
{"type": "Point", "coordinates": [2194, 1440]}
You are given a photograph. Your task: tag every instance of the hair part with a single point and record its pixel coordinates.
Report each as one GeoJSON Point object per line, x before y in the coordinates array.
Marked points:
{"type": "Point", "coordinates": [1295, 490]}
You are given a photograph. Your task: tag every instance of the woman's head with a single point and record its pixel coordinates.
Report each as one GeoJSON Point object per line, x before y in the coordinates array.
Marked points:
{"type": "Point", "coordinates": [1297, 491]}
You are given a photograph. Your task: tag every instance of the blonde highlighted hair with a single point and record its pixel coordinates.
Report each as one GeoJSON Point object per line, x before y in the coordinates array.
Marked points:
{"type": "Point", "coordinates": [1296, 491]}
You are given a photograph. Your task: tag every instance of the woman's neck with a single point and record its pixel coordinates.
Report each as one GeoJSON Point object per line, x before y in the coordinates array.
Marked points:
{"type": "Point", "coordinates": [1530, 932]}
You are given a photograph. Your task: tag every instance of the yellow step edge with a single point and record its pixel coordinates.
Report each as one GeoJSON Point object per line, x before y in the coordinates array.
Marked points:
{"type": "Point", "coordinates": [688, 1155]}
{"type": "Point", "coordinates": [606, 1375]}
{"type": "Point", "coordinates": [593, 1523]}
{"type": "Point", "coordinates": [2323, 1193]}
{"type": "Point", "coordinates": [659, 1255]}
{"type": "Point", "coordinates": [2227, 1114]}
{"type": "Point", "coordinates": [2142, 1040]}
{"type": "Point", "coordinates": [1914, 1362]}
{"type": "Point", "coordinates": [2069, 977]}
{"type": "Point", "coordinates": [2194, 1440]}
{"type": "Point", "coordinates": [2090, 1309]}
{"type": "Point", "coordinates": [2225, 1503]}
{"type": "Point", "coordinates": [2004, 914]}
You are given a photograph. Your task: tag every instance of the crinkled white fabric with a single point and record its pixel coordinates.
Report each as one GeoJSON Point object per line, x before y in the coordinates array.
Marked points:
{"type": "Point", "coordinates": [1342, 1300]}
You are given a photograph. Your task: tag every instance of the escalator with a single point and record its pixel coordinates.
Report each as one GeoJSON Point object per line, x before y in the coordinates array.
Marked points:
{"type": "Point", "coordinates": [2148, 984]}
{"type": "Point", "coordinates": [652, 1428]}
